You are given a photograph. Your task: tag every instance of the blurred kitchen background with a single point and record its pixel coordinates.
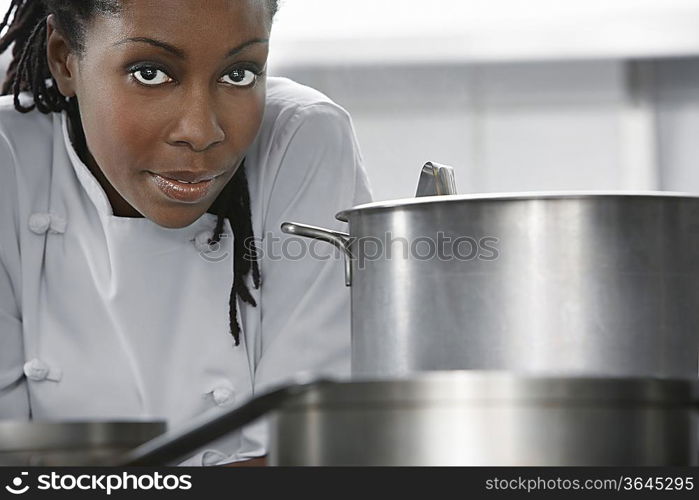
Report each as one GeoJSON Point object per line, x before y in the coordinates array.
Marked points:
{"type": "Point", "coordinates": [516, 95]}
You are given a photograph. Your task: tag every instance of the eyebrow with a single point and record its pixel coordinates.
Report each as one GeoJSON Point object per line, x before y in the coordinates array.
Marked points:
{"type": "Point", "coordinates": [179, 52]}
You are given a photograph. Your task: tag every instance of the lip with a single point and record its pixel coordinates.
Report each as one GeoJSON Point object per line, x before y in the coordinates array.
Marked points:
{"type": "Point", "coordinates": [187, 176]}
{"type": "Point", "coordinates": [183, 191]}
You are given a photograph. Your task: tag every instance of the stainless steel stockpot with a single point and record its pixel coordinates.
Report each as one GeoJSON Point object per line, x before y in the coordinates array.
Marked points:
{"type": "Point", "coordinates": [488, 419]}
{"type": "Point", "coordinates": [574, 283]}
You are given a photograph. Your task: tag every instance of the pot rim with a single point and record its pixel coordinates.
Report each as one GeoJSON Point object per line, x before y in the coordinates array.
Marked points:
{"type": "Point", "coordinates": [344, 215]}
{"type": "Point", "coordinates": [498, 387]}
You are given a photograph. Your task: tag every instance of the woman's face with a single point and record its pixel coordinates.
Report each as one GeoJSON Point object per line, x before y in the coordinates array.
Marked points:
{"type": "Point", "coordinates": [170, 92]}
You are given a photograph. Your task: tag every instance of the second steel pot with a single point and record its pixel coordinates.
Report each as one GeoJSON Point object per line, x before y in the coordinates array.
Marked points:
{"type": "Point", "coordinates": [488, 419]}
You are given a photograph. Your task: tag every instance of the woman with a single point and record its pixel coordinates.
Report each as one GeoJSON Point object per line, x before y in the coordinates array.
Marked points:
{"type": "Point", "coordinates": [147, 163]}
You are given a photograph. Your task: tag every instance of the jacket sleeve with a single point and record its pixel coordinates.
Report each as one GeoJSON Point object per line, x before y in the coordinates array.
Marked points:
{"type": "Point", "coordinates": [14, 398]}
{"type": "Point", "coordinates": [305, 324]}
{"type": "Point", "coordinates": [305, 305]}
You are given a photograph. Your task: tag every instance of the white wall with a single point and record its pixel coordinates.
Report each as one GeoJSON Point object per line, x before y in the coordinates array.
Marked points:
{"type": "Point", "coordinates": [504, 127]}
{"type": "Point", "coordinates": [379, 31]}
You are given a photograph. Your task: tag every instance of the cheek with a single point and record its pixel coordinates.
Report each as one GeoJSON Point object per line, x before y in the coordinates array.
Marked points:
{"type": "Point", "coordinates": [115, 136]}
{"type": "Point", "coordinates": [240, 118]}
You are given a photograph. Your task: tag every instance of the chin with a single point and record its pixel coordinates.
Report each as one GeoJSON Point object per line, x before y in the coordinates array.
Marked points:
{"type": "Point", "coordinates": [176, 219]}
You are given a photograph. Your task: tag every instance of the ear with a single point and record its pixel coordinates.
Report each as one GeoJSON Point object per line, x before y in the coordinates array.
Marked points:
{"type": "Point", "coordinates": [61, 59]}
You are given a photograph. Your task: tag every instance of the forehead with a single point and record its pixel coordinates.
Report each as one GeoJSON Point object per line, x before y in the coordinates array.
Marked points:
{"type": "Point", "coordinates": [187, 23]}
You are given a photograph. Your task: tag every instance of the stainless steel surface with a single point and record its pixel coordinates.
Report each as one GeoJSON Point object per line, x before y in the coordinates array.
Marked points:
{"type": "Point", "coordinates": [71, 443]}
{"type": "Point", "coordinates": [495, 419]}
{"type": "Point", "coordinates": [436, 179]}
{"type": "Point", "coordinates": [553, 283]}
{"type": "Point", "coordinates": [336, 238]}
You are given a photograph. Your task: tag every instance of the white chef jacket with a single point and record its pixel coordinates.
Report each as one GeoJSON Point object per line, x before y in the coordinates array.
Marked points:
{"type": "Point", "coordinates": [115, 318]}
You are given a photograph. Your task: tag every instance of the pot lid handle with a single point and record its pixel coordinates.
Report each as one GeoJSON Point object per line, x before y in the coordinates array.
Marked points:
{"type": "Point", "coordinates": [436, 180]}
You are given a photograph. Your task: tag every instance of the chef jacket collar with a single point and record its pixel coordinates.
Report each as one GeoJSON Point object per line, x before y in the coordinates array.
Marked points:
{"type": "Point", "coordinates": [98, 196]}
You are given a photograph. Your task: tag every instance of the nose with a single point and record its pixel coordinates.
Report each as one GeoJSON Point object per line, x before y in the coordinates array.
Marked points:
{"type": "Point", "coordinates": [197, 125]}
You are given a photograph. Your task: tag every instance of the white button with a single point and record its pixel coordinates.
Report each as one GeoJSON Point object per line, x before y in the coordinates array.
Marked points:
{"type": "Point", "coordinates": [40, 223]}
{"type": "Point", "coordinates": [58, 224]}
{"type": "Point", "coordinates": [37, 370]}
{"type": "Point", "coordinates": [223, 395]}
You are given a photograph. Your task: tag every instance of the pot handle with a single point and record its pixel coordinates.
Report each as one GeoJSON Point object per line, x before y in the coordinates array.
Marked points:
{"type": "Point", "coordinates": [173, 446]}
{"type": "Point", "coordinates": [436, 180]}
{"type": "Point", "coordinates": [337, 238]}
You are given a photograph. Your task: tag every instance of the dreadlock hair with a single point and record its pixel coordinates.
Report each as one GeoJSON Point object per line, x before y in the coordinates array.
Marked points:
{"type": "Point", "coordinates": [28, 71]}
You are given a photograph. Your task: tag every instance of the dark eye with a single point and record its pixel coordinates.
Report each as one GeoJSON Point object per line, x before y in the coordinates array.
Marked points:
{"type": "Point", "coordinates": [150, 76]}
{"type": "Point", "coordinates": [239, 77]}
